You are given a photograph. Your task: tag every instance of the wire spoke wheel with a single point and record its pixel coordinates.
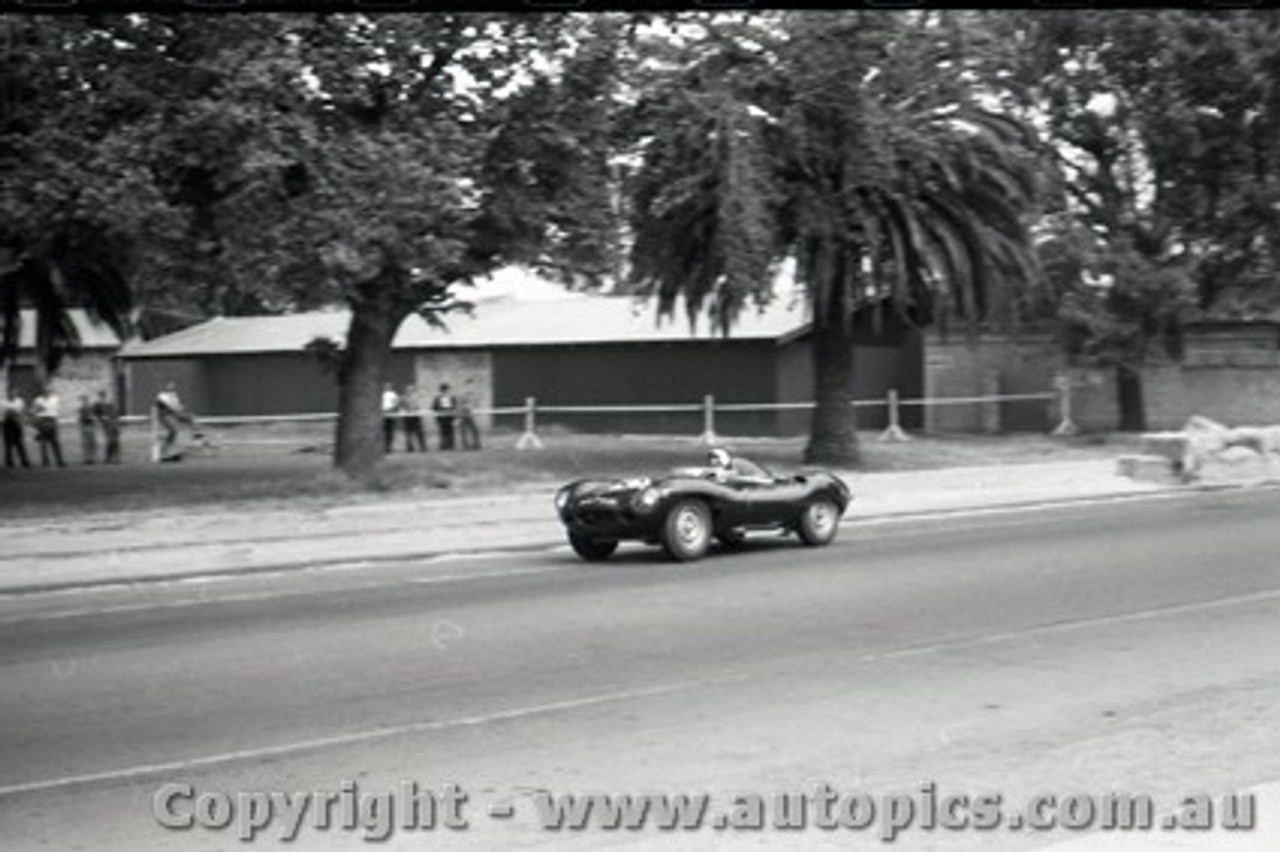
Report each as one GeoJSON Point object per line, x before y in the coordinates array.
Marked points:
{"type": "Point", "coordinates": [819, 522]}
{"type": "Point", "coordinates": [686, 533]}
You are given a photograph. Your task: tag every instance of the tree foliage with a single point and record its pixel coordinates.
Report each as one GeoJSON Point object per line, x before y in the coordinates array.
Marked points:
{"type": "Point", "coordinates": [267, 163]}
{"type": "Point", "coordinates": [74, 195]}
{"type": "Point", "coordinates": [841, 141]}
{"type": "Point", "coordinates": [1167, 130]}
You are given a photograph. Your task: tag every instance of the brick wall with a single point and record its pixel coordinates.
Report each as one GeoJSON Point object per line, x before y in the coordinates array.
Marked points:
{"type": "Point", "coordinates": [962, 365]}
{"type": "Point", "coordinates": [1232, 394]}
{"type": "Point", "coordinates": [988, 364]}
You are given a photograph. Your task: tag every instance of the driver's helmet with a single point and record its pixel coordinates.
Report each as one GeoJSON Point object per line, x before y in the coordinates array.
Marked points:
{"type": "Point", "coordinates": [719, 457]}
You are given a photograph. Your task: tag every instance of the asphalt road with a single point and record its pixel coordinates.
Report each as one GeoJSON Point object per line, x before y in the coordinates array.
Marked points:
{"type": "Point", "coordinates": [1121, 646]}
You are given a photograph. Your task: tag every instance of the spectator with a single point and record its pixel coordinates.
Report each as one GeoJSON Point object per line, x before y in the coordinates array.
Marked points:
{"type": "Point", "coordinates": [414, 435]}
{"type": "Point", "coordinates": [169, 414]}
{"type": "Point", "coordinates": [467, 429]}
{"type": "Point", "coordinates": [44, 408]}
{"type": "Point", "coordinates": [108, 417]}
{"type": "Point", "coordinates": [390, 410]}
{"type": "Point", "coordinates": [88, 430]}
{"type": "Point", "coordinates": [15, 443]}
{"type": "Point", "coordinates": [445, 405]}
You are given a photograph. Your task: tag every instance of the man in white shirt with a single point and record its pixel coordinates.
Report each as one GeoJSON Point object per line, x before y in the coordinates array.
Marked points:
{"type": "Point", "coordinates": [390, 409]}
{"type": "Point", "coordinates": [445, 405]}
{"type": "Point", "coordinates": [169, 414]}
{"type": "Point", "coordinates": [45, 410]}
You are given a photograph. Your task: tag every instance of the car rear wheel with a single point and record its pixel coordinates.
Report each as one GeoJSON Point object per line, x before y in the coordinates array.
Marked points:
{"type": "Point", "coordinates": [592, 549]}
{"type": "Point", "coordinates": [686, 532]}
{"type": "Point", "coordinates": [818, 523]}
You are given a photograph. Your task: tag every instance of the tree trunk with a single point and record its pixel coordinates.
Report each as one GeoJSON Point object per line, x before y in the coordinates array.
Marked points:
{"type": "Point", "coordinates": [358, 444]}
{"type": "Point", "coordinates": [833, 433]}
{"type": "Point", "coordinates": [1133, 409]}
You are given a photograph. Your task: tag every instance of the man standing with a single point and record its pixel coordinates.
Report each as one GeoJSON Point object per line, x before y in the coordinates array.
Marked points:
{"type": "Point", "coordinates": [415, 437]}
{"type": "Point", "coordinates": [88, 430]}
{"type": "Point", "coordinates": [467, 429]}
{"type": "Point", "coordinates": [108, 417]}
{"type": "Point", "coordinates": [169, 414]}
{"type": "Point", "coordinates": [390, 410]}
{"type": "Point", "coordinates": [15, 445]}
{"type": "Point", "coordinates": [445, 406]}
{"type": "Point", "coordinates": [45, 410]}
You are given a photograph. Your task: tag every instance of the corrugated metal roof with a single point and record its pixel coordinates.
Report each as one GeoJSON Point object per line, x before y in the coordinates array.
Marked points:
{"type": "Point", "coordinates": [94, 334]}
{"type": "Point", "coordinates": [573, 319]}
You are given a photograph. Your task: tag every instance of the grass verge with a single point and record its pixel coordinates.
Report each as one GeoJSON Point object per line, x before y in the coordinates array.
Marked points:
{"type": "Point", "coordinates": [269, 467]}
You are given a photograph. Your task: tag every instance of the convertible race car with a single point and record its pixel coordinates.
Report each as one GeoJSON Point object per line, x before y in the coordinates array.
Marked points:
{"type": "Point", "coordinates": [688, 507]}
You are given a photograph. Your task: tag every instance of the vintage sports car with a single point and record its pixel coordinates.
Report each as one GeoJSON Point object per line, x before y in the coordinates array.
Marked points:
{"type": "Point", "coordinates": [688, 507]}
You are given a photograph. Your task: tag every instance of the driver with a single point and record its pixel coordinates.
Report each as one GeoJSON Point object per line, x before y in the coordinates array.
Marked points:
{"type": "Point", "coordinates": [726, 467]}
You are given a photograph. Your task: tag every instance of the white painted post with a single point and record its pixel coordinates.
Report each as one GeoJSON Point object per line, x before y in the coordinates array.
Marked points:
{"type": "Point", "coordinates": [529, 440]}
{"type": "Point", "coordinates": [990, 407]}
{"type": "Point", "coordinates": [1066, 426]}
{"type": "Point", "coordinates": [709, 420]}
{"type": "Point", "coordinates": [894, 431]}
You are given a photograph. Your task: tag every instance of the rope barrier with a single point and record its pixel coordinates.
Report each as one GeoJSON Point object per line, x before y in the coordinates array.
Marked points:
{"type": "Point", "coordinates": [708, 407]}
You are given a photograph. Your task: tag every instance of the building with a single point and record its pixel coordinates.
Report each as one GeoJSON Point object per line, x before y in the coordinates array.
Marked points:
{"type": "Point", "coordinates": [568, 350]}
{"type": "Point", "coordinates": [88, 371]}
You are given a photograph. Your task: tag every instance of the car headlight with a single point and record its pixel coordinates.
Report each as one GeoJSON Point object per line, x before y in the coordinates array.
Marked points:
{"type": "Point", "coordinates": [562, 498]}
{"type": "Point", "coordinates": [648, 498]}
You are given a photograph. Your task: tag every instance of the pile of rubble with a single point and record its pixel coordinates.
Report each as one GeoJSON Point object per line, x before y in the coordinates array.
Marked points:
{"type": "Point", "coordinates": [1206, 451]}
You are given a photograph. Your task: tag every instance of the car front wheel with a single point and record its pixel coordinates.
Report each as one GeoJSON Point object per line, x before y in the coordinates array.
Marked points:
{"type": "Point", "coordinates": [686, 532]}
{"type": "Point", "coordinates": [592, 549]}
{"type": "Point", "coordinates": [819, 522]}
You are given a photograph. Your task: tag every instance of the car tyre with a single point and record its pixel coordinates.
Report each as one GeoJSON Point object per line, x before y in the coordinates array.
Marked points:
{"type": "Point", "coordinates": [818, 523]}
{"type": "Point", "coordinates": [686, 531]}
{"type": "Point", "coordinates": [592, 549]}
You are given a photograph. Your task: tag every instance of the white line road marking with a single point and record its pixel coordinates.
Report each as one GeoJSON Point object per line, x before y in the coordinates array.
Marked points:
{"type": "Point", "coordinates": [243, 597]}
{"type": "Point", "coordinates": [609, 698]}
{"type": "Point", "coordinates": [367, 736]}
{"type": "Point", "coordinates": [960, 643]}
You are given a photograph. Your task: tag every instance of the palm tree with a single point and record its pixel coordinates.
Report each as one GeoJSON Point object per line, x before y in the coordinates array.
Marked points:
{"type": "Point", "coordinates": [837, 140]}
{"type": "Point", "coordinates": [78, 267]}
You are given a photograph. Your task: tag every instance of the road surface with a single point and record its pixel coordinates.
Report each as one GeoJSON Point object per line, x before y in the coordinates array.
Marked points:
{"type": "Point", "coordinates": [1120, 646]}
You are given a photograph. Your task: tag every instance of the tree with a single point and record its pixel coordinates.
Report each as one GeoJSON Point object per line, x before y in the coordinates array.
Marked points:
{"type": "Point", "coordinates": [282, 162]}
{"type": "Point", "coordinates": [1165, 127]}
{"type": "Point", "coordinates": [74, 192]}
{"type": "Point", "coordinates": [1101, 322]}
{"type": "Point", "coordinates": [844, 142]}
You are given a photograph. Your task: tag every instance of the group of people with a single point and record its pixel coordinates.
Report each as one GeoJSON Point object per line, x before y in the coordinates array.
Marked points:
{"type": "Point", "coordinates": [453, 417]}
{"type": "Point", "coordinates": [98, 421]}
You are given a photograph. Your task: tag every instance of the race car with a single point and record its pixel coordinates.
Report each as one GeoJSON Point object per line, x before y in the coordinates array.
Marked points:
{"type": "Point", "coordinates": [686, 509]}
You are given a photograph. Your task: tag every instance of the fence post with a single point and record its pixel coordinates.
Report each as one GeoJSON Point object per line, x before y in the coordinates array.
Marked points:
{"type": "Point", "coordinates": [1066, 426]}
{"type": "Point", "coordinates": [894, 431]}
{"type": "Point", "coordinates": [529, 440]}
{"type": "Point", "coordinates": [709, 420]}
{"type": "Point", "coordinates": [989, 408]}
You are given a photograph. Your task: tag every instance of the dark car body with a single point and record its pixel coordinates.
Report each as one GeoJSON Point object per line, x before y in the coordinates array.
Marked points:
{"type": "Point", "coordinates": [599, 513]}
